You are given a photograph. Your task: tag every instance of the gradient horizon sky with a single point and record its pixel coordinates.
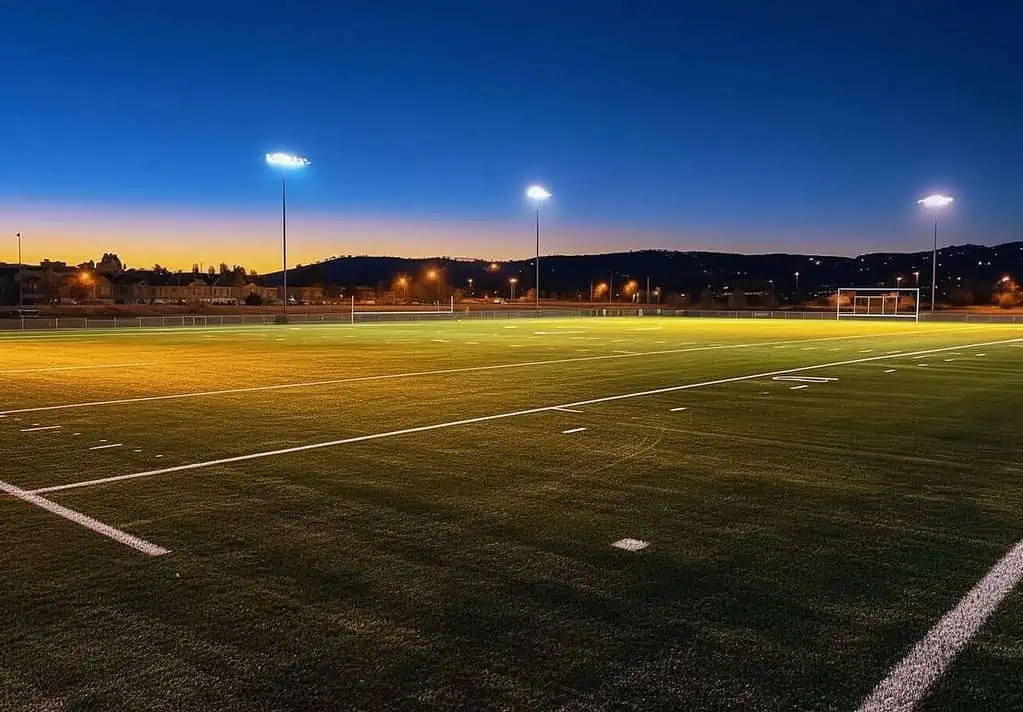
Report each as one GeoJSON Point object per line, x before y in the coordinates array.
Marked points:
{"type": "Point", "coordinates": [140, 128]}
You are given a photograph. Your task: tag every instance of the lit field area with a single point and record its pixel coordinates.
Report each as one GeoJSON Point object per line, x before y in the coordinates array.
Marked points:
{"type": "Point", "coordinates": [423, 516]}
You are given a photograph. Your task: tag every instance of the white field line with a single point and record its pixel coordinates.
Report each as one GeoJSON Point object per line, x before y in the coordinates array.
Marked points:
{"type": "Point", "coordinates": [414, 374]}
{"type": "Point", "coordinates": [44, 427]}
{"type": "Point", "coordinates": [572, 430]}
{"type": "Point", "coordinates": [568, 410]}
{"type": "Point", "coordinates": [496, 416]}
{"type": "Point", "coordinates": [78, 368]}
{"type": "Point", "coordinates": [796, 388]}
{"type": "Point", "coordinates": [890, 370]}
{"type": "Point", "coordinates": [681, 408]}
{"type": "Point", "coordinates": [805, 379]}
{"type": "Point", "coordinates": [908, 682]}
{"type": "Point", "coordinates": [88, 522]}
{"type": "Point", "coordinates": [104, 447]}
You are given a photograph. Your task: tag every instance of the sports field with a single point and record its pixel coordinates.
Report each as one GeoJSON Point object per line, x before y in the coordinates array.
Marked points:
{"type": "Point", "coordinates": [421, 516]}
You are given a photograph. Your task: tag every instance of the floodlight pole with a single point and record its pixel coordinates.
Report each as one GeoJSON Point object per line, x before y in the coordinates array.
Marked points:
{"type": "Point", "coordinates": [21, 276]}
{"type": "Point", "coordinates": [284, 234]}
{"type": "Point", "coordinates": [538, 255]}
{"type": "Point", "coordinates": [934, 264]}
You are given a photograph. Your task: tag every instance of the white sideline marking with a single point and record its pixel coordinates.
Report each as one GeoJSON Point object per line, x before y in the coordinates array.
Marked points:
{"type": "Point", "coordinates": [796, 388]}
{"type": "Point", "coordinates": [104, 447]}
{"type": "Point", "coordinates": [45, 427]}
{"type": "Point", "coordinates": [88, 522]}
{"type": "Point", "coordinates": [568, 410]}
{"type": "Point", "coordinates": [572, 430]}
{"type": "Point", "coordinates": [619, 351]}
{"type": "Point", "coordinates": [413, 374]}
{"type": "Point", "coordinates": [908, 682]}
{"type": "Point", "coordinates": [676, 410]}
{"type": "Point", "coordinates": [630, 544]}
{"type": "Point", "coordinates": [805, 379]}
{"type": "Point", "coordinates": [487, 418]}
{"type": "Point", "coordinates": [78, 368]}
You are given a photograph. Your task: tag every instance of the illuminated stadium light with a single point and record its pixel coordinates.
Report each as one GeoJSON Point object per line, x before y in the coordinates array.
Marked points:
{"type": "Point", "coordinates": [286, 160]}
{"type": "Point", "coordinates": [936, 201]}
{"type": "Point", "coordinates": [537, 193]}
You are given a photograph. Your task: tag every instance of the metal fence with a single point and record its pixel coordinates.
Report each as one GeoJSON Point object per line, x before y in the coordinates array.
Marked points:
{"type": "Point", "coordinates": [189, 321]}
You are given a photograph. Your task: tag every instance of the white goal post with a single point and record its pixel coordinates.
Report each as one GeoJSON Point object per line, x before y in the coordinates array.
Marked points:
{"type": "Point", "coordinates": [878, 303]}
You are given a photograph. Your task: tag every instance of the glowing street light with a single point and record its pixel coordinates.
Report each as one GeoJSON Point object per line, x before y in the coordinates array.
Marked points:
{"type": "Point", "coordinates": [538, 194]}
{"type": "Point", "coordinates": [916, 277]}
{"type": "Point", "coordinates": [470, 286]}
{"type": "Point", "coordinates": [513, 281]}
{"type": "Point", "coordinates": [898, 282]}
{"type": "Point", "coordinates": [285, 161]}
{"type": "Point", "coordinates": [797, 285]}
{"type": "Point", "coordinates": [935, 202]}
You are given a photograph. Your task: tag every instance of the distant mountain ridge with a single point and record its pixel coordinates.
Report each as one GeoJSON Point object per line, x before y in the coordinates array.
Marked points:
{"type": "Point", "coordinates": [679, 271]}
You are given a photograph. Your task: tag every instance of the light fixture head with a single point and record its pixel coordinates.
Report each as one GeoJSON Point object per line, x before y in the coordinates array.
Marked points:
{"type": "Point", "coordinates": [286, 160]}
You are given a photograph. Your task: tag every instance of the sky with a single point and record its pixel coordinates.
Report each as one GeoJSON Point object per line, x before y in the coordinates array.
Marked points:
{"type": "Point", "coordinates": [748, 126]}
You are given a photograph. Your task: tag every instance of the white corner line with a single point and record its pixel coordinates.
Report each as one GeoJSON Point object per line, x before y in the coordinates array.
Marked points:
{"type": "Point", "coordinates": [414, 374]}
{"type": "Point", "coordinates": [486, 418]}
{"type": "Point", "coordinates": [88, 522]}
{"type": "Point", "coordinates": [909, 681]}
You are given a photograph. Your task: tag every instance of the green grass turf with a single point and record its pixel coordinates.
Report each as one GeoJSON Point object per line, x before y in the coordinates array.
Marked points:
{"type": "Point", "coordinates": [802, 540]}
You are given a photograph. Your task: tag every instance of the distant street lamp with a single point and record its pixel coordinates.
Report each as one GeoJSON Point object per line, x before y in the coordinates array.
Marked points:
{"type": "Point", "coordinates": [470, 286]}
{"type": "Point", "coordinates": [797, 286]}
{"type": "Point", "coordinates": [21, 275]}
{"type": "Point", "coordinates": [513, 281]}
{"type": "Point", "coordinates": [284, 161]}
{"type": "Point", "coordinates": [538, 194]}
{"type": "Point", "coordinates": [935, 202]}
{"type": "Point", "coordinates": [898, 282]}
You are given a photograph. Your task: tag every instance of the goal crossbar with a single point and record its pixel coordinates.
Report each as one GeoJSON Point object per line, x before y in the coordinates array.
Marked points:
{"type": "Point", "coordinates": [878, 303]}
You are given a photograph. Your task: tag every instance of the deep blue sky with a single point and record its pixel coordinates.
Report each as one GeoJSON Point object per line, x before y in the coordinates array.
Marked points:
{"type": "Point", "coordinates": [721, 123]}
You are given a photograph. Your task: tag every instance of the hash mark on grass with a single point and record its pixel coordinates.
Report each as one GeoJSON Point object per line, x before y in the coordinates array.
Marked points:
{"type": "Point", "coordinates": [680, 408]}
{"type": "Point", "coordinates": [796, 388]}
{"type": "Point", "coordinates": [45, 427]}
{"type": "Point", "coordinates": [572, 430]}
{"type": "Point", "coordinates": [104, 447]}
{"type": "Point", "coordinates": [890, 370]}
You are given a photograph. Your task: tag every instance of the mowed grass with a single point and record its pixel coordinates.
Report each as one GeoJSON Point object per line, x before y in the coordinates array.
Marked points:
{"type": "Point", "coordinates": [802, 540]}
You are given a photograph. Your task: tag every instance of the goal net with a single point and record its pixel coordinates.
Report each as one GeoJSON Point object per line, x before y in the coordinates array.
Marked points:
{"type": "Point", "coordinates": [878, 303]}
